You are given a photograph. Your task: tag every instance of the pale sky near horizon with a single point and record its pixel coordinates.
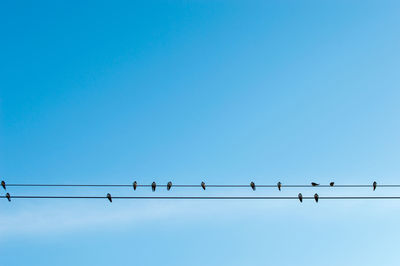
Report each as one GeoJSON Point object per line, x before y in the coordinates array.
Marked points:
{"type": "Point", "coordinates": [225, 92]}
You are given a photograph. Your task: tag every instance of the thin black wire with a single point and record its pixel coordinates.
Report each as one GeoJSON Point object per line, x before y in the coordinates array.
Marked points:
{"type": "Point", "coordinates": [213, 198]}
{"type": "Point", "coordinates": [196, 186]}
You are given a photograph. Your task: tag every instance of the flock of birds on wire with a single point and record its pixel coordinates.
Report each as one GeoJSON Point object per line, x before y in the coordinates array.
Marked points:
{"type": "Point", "coordinates": [203, 186]}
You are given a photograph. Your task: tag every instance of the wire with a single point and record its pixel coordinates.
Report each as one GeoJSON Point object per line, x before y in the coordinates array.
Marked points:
{"type": "Point", "coordinates": [212, 198]}
{"type": "Point", "coordinates": [197, 186]}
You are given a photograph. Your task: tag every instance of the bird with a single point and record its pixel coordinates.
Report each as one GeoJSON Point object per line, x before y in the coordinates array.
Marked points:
{"type": "Point", "coordinates": [169, 185]}
{"type": "Point", "coordinates": [279, 185]}
{"type": "Point", "coordinates": [316, 197]}
{"type": "Point", "coordinates": [3, 184]}
{"type": "Point", "coordinates": [314, 184]}
{"type": "Point", "coordinates": [8, 196]}
{"type": "Point", "coordinates": [109, 197]}
{"type": "Point", "coordinates": [253, 186]}
{"type": "Point", "coordinates": [153, 186]}
{"type": "Point", "coordinates": [134, 185]}
{"type": "Point", "coordinates": [374, 185]}
{"type": "Point", "coordinates": [300, 197]}
{"type": "Point", "coordinates": [203, 185]}
{"type": "Point", "coordinates": [332, 184]}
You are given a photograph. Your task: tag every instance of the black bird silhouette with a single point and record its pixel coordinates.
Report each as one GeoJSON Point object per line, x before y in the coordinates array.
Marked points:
{"type": "Point", "coordinates": [253, 186]}
{"type": "Point", "coordinates": [169, 185]}
{"type": "Point", "coordinates": [332, 184]}
{"type": "Point", "coordinates": [109, 197]}
{"type": "Point", "coordinates": [300, 197]}
{"type": "Point", "coordinates": [374, 185]}
{"type": "Point", "coordinates": [3, 184]}
{"type": "Point", "coordinates": [134, 185]}
{"type": "Point", "coordinates": [279, 185]}
{"type": "Point", "coordinates": [316, 197]}
{"type": "Point", "coordinates": [153, 186]}
{"type": "Point", "coordinates": [203, 185]}
{"type": "Point", "coordinates": [314, 184]}
{"type": "Point", "coordinates": [8, 196]}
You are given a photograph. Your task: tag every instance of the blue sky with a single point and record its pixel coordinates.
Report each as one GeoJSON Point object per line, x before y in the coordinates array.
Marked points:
{"type": "Point", "coordinates": [223, 91]}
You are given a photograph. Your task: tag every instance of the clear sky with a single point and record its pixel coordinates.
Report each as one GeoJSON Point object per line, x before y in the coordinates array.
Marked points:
{"type": "Point", "coordinates": [190, 91]}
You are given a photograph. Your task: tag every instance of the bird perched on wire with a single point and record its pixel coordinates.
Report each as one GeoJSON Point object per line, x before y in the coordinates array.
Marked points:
{"type": "Point", "coordinates": [203, 185]}
{"type": "Point", "coordinates": [169, 185]}
{"type": "Point", "coordinates": [8, 196]}
{"type": "Point", "coordinates": [153, 186]}
{"type": "Point", "coordinates": [316, 197]}
{"type": "Point", "coordinates": [253, 186]}
{"type": "Point", "coordinates": [109, 197]}
{"type": "Point", "coordinates": [314, 184]}
{"type": "Point", "coordinates": [279, 185]}
{"type": "Point", "coordinates": [300, 197]}
{"type": "Point", "coordinates": [332, 184]}
{"type": "Point", "coordinates": [134, 185]}
{"type": "Point", "coordinates": [374, 185]}
{"type": "Point", "coordinates": [3, 184]}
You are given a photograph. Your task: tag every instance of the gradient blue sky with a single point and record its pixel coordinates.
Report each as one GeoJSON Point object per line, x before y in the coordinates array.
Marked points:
{"type": "Point", "coordinates": [222, 91]}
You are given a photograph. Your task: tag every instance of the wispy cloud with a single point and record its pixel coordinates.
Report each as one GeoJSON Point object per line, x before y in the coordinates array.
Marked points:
{"type": "Point", "coordinates": [61, 217]}
{"type": "Point", "coordinates": [56, 217]}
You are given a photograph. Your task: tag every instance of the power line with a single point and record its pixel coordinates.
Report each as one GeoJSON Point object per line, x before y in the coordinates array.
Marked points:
{"type": "Point", "coordinates": [212, 185]}
{"type": "Point", "coordinates": [211, 197]}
